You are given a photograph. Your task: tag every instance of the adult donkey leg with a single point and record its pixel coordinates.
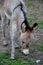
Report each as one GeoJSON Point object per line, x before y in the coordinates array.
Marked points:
{"type": "Point", "coordinates": [3, 25]}
{"type": "Point", "coordinates": [13, 30]}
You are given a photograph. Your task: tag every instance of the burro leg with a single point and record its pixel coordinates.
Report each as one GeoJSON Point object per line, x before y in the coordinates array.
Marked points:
{"type": "Point", "coordinates": [3, 26]}
{"type": "Point", "coordinates": [13, 31]}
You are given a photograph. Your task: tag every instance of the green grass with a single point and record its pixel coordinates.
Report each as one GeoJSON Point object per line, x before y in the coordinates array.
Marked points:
{"type": "Point", "coordinates": [30, 4]}
{"type": "Point", "coordinates": [39, 46]}
{"type": "Point", "coordinates": [40, 22]}
{"type": "Point", "coordinates": [32, 20]}
{"type": "Point", "coordinates": [4, 55]}
{"type": "Point", "coordinates": [19, 59]}
{"type": "Point", "coordinates": [41, 13]}
{"type": "Point", "coordinates": [5, 60]}
{"type": "Point", "coordinates": [31, 62]}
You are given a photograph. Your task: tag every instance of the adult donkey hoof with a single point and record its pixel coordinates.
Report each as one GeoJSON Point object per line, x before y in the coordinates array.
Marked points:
{"type": "Point", "coordinates": [12, 58]}
{"type": "Point", "coordinates": [16, 47]}
{"type": "Point", "coordinates": [5, 43]}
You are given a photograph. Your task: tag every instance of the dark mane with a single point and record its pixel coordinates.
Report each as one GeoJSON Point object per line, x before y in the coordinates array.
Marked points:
{"type": "Point", "coordinates": [28, 27]}
{"type": "Point", "coordinates": [25, 18]}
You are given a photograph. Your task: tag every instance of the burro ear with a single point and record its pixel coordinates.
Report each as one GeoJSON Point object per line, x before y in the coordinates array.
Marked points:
{"type": "Point", "coordinates": [35, 25]}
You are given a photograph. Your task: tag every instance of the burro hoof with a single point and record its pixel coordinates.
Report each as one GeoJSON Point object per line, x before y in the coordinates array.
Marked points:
{"type": "Point", "coordinates": [5, 43]}
{"type": "Point", "coordinates": [25, 51]}
{"type": "Point", "coordinates": [12, 58]}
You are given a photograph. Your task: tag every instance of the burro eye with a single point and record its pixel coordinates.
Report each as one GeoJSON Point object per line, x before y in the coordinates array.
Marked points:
{"type": "Point", "coordinates": [23, 42]}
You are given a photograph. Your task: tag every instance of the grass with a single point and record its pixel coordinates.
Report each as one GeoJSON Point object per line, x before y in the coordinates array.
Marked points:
{"type": "Point", "coordinates": [40, 22]}
{"type": "Point", "coordinates": [32, 20]}
{"type": "Point", "coordinates": [19, 59]}
{"type": "Point", "coordinates": [39, 46]}
{"type": "Point", "coordinates": [4, 60]}
{"type": "Point", "coordinates": [31, 62]}
{"type": "Point", "coordinates": [30, 4]}
{"type": "Point", "coordinates": [41, 13]}
{"type": "Point", "coordinates": [4, 55]}
{"type": "Point", "coordinates": [33, 16]}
